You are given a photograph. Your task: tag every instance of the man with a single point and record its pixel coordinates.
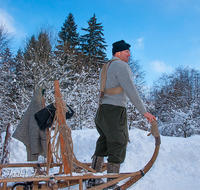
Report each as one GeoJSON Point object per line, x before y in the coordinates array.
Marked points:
{"type": "Point", "coordinates": [111, 118]}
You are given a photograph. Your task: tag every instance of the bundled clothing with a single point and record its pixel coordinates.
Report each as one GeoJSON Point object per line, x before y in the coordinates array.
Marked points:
{"type": "Point", "coordinates": [45, 116]}
{"type": "Point", "coordinates": [31, 129]}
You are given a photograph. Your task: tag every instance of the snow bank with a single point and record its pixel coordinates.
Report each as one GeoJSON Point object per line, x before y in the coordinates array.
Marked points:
{"type": "Point", "coordinates": [177, 165]}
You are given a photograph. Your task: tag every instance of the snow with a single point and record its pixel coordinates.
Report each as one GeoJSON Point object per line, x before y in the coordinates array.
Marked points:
{"type": "Point", "coordinates": [176, 168]}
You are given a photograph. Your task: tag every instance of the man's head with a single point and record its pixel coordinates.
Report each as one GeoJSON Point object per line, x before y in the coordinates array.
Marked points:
{"type": "Point", "coordinates": [121, 50]}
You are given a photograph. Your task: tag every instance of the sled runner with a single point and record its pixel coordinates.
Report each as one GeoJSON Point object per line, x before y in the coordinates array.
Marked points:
{"type": "Point", "coordinates": [71, 171]}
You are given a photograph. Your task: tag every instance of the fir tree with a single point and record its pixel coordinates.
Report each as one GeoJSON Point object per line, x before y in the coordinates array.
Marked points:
{"type": "Point", "coordinates": [68, 34]}
{"type": "Point", "coordinates": [21, 78]}
{"type": "Point", "coordinates": [8, 89]}
{"type": "Point", "coordinates": [93, 43]}
{"type": "Point", "coordinates": [67, 52]}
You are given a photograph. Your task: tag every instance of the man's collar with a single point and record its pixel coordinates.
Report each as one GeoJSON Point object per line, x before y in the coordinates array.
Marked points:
{"type": "Point", "coordinates": [116, 58]}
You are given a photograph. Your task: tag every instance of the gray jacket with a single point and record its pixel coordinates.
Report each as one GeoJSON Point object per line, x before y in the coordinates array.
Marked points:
{"type": "Point", "coordinates": [119, 74]}
{"type": "Point", "coordinates": [28, 131]}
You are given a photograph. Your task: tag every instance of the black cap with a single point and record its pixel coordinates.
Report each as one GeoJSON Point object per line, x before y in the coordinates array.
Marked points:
{"type": "Point", "coordinates": [120, 46]}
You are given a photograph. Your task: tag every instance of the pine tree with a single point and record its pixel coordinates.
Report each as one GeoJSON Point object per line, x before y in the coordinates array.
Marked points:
{"type": "Point", "coordinates": [68, 34]}
{"type": "Point", "coordinates": [67, 53]}
{"type": "Point", "coordinates": [38, 61]}
{"type": "Point", "coordinates": [8, 89]}
{"type": "Point", "coordinates": [21, 72]}
{"type": "Point", "coordinates": [93, 43]}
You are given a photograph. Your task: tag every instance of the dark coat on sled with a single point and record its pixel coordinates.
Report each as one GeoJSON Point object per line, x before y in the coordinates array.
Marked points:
{"type": "Point", "coordinates": [45, 116]}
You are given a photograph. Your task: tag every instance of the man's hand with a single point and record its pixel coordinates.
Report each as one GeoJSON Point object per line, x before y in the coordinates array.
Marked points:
{"type": "Point", "coordinates": [149, 117]}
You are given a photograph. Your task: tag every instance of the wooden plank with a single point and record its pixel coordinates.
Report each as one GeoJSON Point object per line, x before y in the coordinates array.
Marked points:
{"type": "Point", "coordinates": [41, 186]}
{"type": "Point", "coordinates": [4, 180]}
{"type": "Point", "coordinates": [7, 188]}
{"type": "Point", "coordinates": [68, 178]}
{"type": "Point", "coordinates": [61, 184]}
{"type": "Point", "coordinates": [71, 179]}
{"type": "Point", "coordinates": [4, 186]}
{"type": "Point", "coordinates": [49, 152]}
{"type": "Point", "coordinates": [13, 165]}
{"type": "Point", "coordinates": [6, 144]}
{"type": "Point", "coordinates": [80, 184]}
{"type": "Point", "coordinates": [61, 121]}
{"type": "Point", "coordinates": [100, 187]}
{"type": "Point", "coordinates": [84, 166]}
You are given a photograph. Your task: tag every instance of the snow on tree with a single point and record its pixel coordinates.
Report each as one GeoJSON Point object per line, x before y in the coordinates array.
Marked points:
{"type": "Point", "coordinates": [176, 101]}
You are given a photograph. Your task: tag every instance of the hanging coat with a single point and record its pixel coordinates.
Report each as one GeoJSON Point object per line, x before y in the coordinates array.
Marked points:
{"type": "Point", "coordinates": [27, 130]}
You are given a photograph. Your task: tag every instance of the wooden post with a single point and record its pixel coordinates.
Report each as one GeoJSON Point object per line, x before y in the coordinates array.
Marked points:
{"type": "Point", "coordinates": [61, 120]}
{"type": "Point", "coordinates": [80, 184]}
{"type": "Point", "coordinates": [5, 152]}
{"type": "Point", "coordinates": [49, 153]}
{"type": "Point", "coordinates": [4, 185]}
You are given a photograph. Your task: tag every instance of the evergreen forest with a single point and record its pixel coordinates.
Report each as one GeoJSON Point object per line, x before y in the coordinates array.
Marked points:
{"type": "Point", "coordinates": [76, 60]}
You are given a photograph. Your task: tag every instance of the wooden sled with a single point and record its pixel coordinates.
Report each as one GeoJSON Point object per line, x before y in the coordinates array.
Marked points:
{"type": "Point", "coordinates": [65, 178]}
{"type": "Point", "coordinates": [60, 180]}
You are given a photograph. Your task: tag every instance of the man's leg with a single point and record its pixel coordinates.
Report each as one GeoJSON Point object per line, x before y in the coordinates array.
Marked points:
{"type": "Point", "coordinates": [98, 157]}
{"type": "Point", "coordinates": [114, 169]}
{"type": "Point", "coordinates": [114, 126]}
{"type": "Point", "coordinates": [97, 162]}
{"type": "Point", "coordinates": [101, 144]}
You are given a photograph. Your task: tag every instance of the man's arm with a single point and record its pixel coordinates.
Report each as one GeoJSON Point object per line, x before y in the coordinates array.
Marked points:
{"type": "Point", "coordinates": [149, 117]}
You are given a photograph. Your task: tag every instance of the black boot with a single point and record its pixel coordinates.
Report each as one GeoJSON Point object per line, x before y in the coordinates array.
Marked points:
{"type": "Point", "coordinates": [97, 163]}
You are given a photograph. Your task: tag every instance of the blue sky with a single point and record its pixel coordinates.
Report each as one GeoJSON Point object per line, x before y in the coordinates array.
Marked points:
{"type": "Point", "coordinates": [163, 34]}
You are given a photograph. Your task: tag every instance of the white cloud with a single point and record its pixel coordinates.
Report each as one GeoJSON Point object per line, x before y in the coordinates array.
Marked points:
{"type": "Point", "coordinates": [160, 67]}
{"type": "Point", "coordinates": [7, 20]}
{"type": "Point", "coordinates": [140, 43]}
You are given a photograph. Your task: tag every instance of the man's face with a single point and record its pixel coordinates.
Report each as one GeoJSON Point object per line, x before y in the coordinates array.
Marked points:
{"type": "Point", "coordinates": [124, 55]}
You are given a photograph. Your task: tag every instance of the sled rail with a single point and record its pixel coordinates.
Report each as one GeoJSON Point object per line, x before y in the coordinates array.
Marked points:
{"type": "Point", "coordinates": [73, 180]}
{"type": "Point", "coordinates": [77, 179]}
{"type": "Point", "coordinates": [28, 165]}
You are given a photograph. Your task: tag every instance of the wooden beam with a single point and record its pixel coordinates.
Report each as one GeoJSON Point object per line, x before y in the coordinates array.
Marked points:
{"type": "Point", "coordinates": [80, 184]}
{"type": "Point", "coordinates": [68, 178]}
{"type": "Point", "coordinates": [4, 185]}
{"type": "Point", "coordinates": [49, 152]}
{"type": "Point", "coordinates": [27, 165]}
{"type": "Point", "coordinates": [61, 120]}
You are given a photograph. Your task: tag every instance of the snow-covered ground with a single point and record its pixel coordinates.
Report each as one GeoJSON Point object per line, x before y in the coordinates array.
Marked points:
{"type": "Point", "coordinates": [177, 166]}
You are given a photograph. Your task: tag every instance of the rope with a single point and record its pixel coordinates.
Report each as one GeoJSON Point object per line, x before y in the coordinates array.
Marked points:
{"type": "Point", "coordinates": [54, 140]}
{"type": "Point", "coordinates": [63, 129]}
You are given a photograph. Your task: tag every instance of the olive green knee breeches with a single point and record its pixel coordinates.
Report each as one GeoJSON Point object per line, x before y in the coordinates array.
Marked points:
{"type": "Point", "coordinates": [111, 124]}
